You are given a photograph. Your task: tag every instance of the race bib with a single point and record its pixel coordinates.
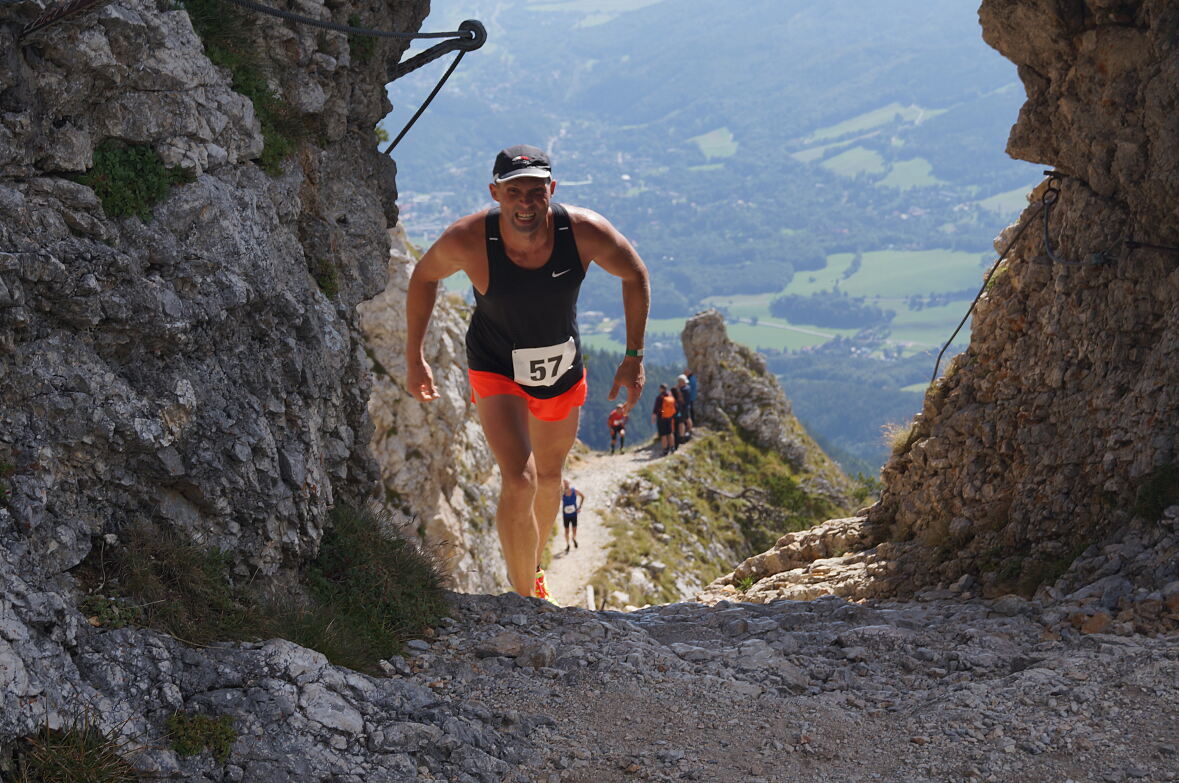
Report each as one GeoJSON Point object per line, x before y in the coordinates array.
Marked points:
{"type": "Point", "coordinates": [571, 509]}
{"type": "Point", "coordinates": [543, 366]}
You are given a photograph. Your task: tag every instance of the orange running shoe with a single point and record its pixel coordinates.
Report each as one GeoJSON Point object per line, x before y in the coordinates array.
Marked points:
{"type": "Point", "coordinates": [542, 589]}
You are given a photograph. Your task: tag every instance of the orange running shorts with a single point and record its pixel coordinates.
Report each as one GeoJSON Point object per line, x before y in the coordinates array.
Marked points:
{"type": "Point", "coordinates": [489, 384]}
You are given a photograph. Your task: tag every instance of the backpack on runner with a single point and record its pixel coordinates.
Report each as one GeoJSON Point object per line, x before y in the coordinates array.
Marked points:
{"type": "Point", "coordinates": [667, 407]}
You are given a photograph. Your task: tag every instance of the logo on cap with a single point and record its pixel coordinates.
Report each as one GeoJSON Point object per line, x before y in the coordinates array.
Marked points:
{"type": "Point", "coordinates": [521, 161]}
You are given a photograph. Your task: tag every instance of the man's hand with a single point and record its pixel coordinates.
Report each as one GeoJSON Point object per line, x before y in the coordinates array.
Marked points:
{"type": "Point", "coordinates": [420, 381]}
{"type": "Point", "coordinates": [632, 377]}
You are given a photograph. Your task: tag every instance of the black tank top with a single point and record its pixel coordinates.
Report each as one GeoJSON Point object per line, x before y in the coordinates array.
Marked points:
{"type": "Point", "coordinates": [528, 308]}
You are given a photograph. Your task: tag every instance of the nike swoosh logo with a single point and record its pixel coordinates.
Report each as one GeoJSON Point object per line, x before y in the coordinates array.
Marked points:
{"type": "Point", "coordinates": [558, 274]}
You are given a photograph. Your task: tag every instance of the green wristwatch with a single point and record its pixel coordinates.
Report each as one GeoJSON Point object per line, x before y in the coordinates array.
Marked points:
{"type": "Point", "coordinates": [634, 352]}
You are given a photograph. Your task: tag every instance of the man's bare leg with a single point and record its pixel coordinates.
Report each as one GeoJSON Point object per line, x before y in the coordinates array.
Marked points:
{"type": "Point", "coordinates": [551, 441]}
{"type": "Point", "coordinates": [505, 421]}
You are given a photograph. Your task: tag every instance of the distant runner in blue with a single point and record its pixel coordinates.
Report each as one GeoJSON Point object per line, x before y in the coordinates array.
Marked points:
{"type": "Point", "coordinates": [571, 500]}
{"type": "Point", "coordinates": [687, 385]}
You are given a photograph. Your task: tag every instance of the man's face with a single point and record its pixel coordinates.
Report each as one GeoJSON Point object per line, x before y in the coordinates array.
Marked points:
{"type": "Point", "coordinates": [524, 202]}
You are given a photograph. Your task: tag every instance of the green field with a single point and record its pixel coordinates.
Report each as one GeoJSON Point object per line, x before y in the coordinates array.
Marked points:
{"type": "Point", "coordinates": [873, 119]}
{"type": "Point", "coordinates": [716, 144]}
{"type": "Point", "coordinates": [886, 278]}
{"type": "Point", "coordinates": [825, 279]}
{"type": "Point", "coordinates": [929, 327]}
{"type": "Point", "coordinates": [895, 273]}
{"type": "Point", "coordinates": [1009, 203]}
{"type": "Point", "coordinates": [857, 160]}
{"type": "Point", "coordinates": [743, 305]}
{"type": "Point", "coordinates": [779, 335]}
{"type": "Point", "coordinates": [811, 154]}
{"type": "Point", "coordinates": [602, 342]}
{"type": "Point", "coordinates": [666, 325]}
{"type": "Point", "coordinates": [913, 173]}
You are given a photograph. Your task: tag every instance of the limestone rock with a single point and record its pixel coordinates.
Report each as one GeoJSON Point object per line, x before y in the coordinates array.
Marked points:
{"type": "Point", "coordinates": [186, 369]}
{"type": "Point", "coordinates": [735, 388]}
{"type": "Point", "coordinates": [435, 464]}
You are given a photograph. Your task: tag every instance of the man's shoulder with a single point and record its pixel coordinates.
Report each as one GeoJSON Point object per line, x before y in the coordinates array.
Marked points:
{"type": "Point", "coordinates": [594, 232]}
{"type": "Point", "coordinates": [584, 217]}
{"type": "Point", "coordinates": [467, 225]}
{"type": "Point", "coordinates": [465, 234]}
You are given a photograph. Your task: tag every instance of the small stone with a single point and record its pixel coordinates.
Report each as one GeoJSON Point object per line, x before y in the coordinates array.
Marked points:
{"type": "Point", "coordinates": [538, 656]}
{"type": "Point", "coordinates": [504, 644]}
{"type": "Point", "coordinates": [1009, 605]}
{"type": "Point", "coordinates": [1096, 623]}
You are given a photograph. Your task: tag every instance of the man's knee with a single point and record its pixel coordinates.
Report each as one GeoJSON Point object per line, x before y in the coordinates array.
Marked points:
{"type": "Point", "coordinates": [520, 482]}
{"type": "Point", "coordinates": [548, 475]}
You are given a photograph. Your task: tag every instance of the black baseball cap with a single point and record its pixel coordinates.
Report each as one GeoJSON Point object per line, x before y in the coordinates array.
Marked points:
{"type": "Point", "coordinates": [521, 160]}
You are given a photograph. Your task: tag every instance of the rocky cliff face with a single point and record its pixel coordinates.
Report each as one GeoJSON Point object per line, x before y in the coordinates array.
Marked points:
{"type": "Point", "coordinates": [185, 367]}
{"type": "Point", "coordinates": [198, 365]}
{"type": "Point", "coordinates": [1055, 434]}
{"type": "Point", "coordinates": [735, 389]}
{"type": "Point", "coordinates": [435, 464]}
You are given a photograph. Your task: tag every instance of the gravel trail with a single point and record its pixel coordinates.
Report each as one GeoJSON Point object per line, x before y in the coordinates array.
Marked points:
{"type": "Point", "coordinates": [597, 478]}
{"type": "Point", "coordinates": [823, 691]}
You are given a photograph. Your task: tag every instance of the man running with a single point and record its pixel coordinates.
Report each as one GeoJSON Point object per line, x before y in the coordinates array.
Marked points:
{"type": "Point", "coordinates": [663, 416]}
{"type": "Point", "coordinates": [616, 423]}
{"type": "Point", "coordinates": [687, 386]}
{"type": "Point", "coordinates": [526, 258]}
{"type": "Point", "coordinates": [571, 500]}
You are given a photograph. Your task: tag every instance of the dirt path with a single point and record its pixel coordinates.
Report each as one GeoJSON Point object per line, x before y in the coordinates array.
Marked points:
{"type": "Point", "coordinates": [598, 478]}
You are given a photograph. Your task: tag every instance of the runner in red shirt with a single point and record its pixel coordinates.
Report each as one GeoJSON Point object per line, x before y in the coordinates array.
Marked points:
{"type": "Point", "coordinates": [616, 421]}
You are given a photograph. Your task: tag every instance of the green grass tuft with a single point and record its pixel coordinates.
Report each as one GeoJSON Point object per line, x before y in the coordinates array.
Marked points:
{"type": "Point", "coordinates": [367, 592]}
{"type": "Point", "coordinates": [867, 488]}
{"type": "Point", "coordinates": [108, 612]}
{"type": "Point", "coordinates": [900, 437]}
{"type": "Point", "coordinates": [79, 753]}
{"type": "Point", "coordinates": [362, 47]}
{"type": "Point", "coordinates": [177, 587]}
{"type": "Point", "coordinates": [193, 734]}
{"type": "Point", "coordinates": [130, 179]}
{"type": "Point", "coordinates": [225, 32]}
{"type": "Point", "coordinates": [327, 277]}
{"type": "Point", "coordinates": [370, 590]}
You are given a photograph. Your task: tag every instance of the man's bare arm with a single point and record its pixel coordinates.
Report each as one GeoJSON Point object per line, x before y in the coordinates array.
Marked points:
{"type": "Point", "coordinates": [445, 257]}
{"type": "Point", "coordinates": [598, 239]}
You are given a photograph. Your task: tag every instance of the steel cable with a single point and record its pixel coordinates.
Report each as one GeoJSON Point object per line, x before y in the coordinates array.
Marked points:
{"type": "Point", "coordinates": [978, 296]}
{"type": "Point", "coordinates": [425, 103]}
